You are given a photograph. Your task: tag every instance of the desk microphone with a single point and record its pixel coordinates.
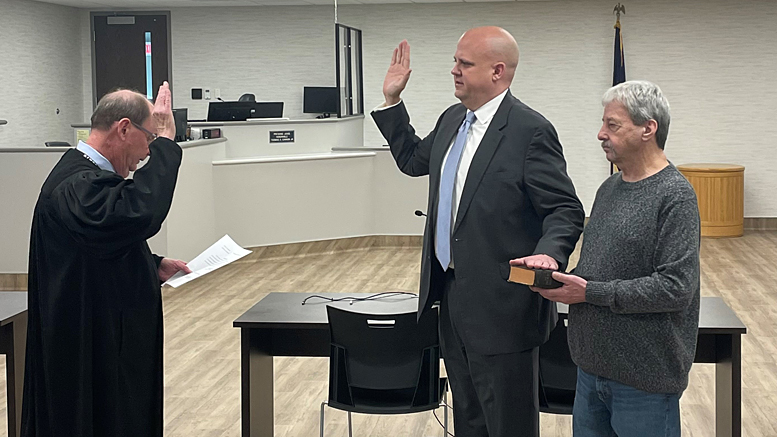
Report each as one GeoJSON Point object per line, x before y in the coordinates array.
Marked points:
{"type": "Point", "coordinates": [419, 213]}
{"type": "Point", "coordinates": [220, 99]}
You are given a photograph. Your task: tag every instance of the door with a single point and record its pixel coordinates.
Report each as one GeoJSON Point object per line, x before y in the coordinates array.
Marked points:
{"type": "Point", "coordinates": [130, 51]}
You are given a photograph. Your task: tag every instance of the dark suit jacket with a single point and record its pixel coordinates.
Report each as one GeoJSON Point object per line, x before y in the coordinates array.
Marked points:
{"type": "Point", "coordinates": [517, 201]}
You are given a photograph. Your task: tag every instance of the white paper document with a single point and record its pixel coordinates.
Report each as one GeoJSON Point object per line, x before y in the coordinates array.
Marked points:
{"type": "Point", "coordinates": [218, 255]}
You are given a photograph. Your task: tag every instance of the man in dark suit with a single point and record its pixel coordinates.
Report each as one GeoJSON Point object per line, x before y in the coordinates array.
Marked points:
{"type": "Point", "coordinates": [498, 191]}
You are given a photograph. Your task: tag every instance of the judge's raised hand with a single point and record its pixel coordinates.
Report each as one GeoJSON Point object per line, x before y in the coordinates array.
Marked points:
{"type": "Point", "coordinates": [163, 113]}
{"type": "Point", "coordinates": [398, 73]}
{"type": "Point", "coordinates": [168, 267]}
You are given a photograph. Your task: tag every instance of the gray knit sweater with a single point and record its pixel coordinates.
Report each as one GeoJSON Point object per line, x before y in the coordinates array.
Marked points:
{"type": "Point", "coordinates": [640, 256]}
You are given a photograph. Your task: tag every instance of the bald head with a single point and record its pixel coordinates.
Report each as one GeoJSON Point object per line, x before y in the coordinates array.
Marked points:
{"type": "Point", "coordinates": [486, 59]}
{"type": "Point", "coordinates": [497, 45]}
{"type": "Point", "coordinates": [120, 104]}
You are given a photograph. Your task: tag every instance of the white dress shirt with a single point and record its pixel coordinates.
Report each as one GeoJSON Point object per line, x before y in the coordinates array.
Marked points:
{"type": "Point", "coordinates": [477, 131]}
{"type": "Point", "coordinates": [95, 156]}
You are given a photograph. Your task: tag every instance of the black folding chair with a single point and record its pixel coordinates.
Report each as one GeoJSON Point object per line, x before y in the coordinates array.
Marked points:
{"type": "Point", "coordinates": [384, 364]}
{"type": "Point", "coordinates": [558, 373]}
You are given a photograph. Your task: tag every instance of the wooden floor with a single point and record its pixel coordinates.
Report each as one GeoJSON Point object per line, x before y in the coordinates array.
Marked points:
{"type": "Point", "coordinates": [202, 350]}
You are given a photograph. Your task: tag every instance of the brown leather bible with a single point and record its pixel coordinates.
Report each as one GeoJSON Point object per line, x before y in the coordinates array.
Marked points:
{"type": "Point", "coordinates": [535, 278]}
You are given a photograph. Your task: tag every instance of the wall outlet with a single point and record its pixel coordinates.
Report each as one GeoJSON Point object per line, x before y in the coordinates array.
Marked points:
{"type": "Point", "coordinates": [207, 94]}
{"type": "Point", "coordinates": [217, 93]}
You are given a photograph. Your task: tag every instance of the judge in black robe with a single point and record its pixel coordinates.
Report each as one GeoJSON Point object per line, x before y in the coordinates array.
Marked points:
{"type": "Point", "coordinates": [94, 342]}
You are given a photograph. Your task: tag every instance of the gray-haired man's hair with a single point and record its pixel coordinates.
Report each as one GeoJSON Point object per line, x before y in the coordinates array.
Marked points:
{"type": "Point", "coordinates": [120, 104]}
{"type": "Point", "coordinates": [644, 101]}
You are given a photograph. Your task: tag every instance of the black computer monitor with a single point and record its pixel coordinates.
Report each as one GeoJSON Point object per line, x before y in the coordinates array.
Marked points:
{"type": "Point", "coordinates": [320, 100]}
{"type": "Point", "coordinates": [241, 111]}
{"type": "Point", "coordinates": [181, 117]}
{"type": "Point", "coordinates": [266, 110]}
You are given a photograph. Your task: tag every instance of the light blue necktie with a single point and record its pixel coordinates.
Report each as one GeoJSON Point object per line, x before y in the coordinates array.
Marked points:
{"type": "Point", "coordinates": [445, 201]}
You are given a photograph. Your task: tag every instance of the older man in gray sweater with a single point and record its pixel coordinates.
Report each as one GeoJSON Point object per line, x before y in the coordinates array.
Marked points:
{"type": "Point", "coordinates": [634, 296]}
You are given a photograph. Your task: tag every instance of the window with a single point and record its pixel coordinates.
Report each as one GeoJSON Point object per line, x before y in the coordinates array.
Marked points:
{"type": "Point", "coordinates": [348, 58]}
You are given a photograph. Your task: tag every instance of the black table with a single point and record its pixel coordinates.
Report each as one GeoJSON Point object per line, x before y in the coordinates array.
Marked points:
{"type": "Point", "coordinates": [280, 326]}
{"type": "Point", "coordinates": [13, 343]}
{"type": "Point", "coordinates": [720, 342]}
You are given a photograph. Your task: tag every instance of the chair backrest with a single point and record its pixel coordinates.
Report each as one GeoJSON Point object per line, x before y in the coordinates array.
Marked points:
{"type": "Point", "coordinates": [371, 352]}
{"type": "Point", "coordinates": [558, 373]}
{"type": "Point", "coordinates": [247, 97]}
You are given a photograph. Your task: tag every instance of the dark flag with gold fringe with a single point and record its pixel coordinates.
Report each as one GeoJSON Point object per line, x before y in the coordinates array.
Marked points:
{"type": "Point", "coordinates": [619, 63]}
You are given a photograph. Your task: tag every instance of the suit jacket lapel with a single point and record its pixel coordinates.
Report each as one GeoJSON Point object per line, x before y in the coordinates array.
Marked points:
{"type": "Point", "coordinates": [482, 158]}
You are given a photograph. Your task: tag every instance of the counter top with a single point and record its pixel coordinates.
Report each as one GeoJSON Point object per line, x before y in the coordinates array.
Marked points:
{"type": "Point", "coordinates": [196, 143]}
{"type": "Point", "coordinates": [34, 149]}
{"type": "Point", "coordinates": [254, 121]}
{"type": "Point", "coordinates": [362, 149]}
{"type": "Point", "coordinates": [266, 121]}
{"type": "Point", "coordinates": [184, 145]}
{"type": "Point", "coordinates": [292, 158]}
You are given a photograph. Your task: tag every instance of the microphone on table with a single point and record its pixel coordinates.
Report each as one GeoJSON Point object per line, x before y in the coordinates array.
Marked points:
{"type": "Point", "coordinates": [419, 213]}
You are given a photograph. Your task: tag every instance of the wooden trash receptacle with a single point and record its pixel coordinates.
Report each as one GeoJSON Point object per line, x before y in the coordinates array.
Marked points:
{"type": "Point", "coordinates": [720, 190]}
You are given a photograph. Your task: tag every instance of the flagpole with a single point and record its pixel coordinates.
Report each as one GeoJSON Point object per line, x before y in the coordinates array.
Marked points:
{"type": "Point", "coordinates": [619, 61]}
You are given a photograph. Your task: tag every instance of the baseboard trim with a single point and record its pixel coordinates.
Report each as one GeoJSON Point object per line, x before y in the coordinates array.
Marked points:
{"type": "Point", "coordinates": [760, 223]}
{"type": "Point", "coordinates": [13, 281]}
{"type": "Point", "coordinates": [332, 246]}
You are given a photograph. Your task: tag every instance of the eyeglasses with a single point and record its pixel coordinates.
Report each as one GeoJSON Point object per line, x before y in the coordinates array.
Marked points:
{"type": "Point", "coordinates": [150, 136]}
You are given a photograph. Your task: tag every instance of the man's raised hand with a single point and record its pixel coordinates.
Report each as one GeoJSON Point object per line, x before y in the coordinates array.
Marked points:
{"type": "Point", "coordinates": [398, 73]}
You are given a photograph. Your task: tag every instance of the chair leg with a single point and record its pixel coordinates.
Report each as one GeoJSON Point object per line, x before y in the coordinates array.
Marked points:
{"type": "Point", "coordinates": [445, 421]}
{"type": "Point", "coordinates": [445, 413]}
{"type": "Point", "coordinates": [350, 425]}
{"type": "Point", "coordinates": [321, 418]}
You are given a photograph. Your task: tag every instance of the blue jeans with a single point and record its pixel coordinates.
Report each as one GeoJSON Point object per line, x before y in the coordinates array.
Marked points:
{"type": "Point", "coordinates": [605, 408]}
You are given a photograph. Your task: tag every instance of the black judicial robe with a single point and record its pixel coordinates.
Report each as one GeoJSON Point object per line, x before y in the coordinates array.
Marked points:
{"type": "Point", "coordinates": [94, 337]}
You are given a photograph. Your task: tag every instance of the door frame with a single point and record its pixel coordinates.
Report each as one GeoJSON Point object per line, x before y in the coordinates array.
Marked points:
{"type": "Point", "coordinates": [93, 14]}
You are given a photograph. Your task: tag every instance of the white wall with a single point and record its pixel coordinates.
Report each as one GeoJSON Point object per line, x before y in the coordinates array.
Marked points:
{"type": "Point", "coordinates": [396, 197]}
{"type": "Point", "coordinates": [272, 52]}
{"type": "Point", "coordinates": [191, 224]}
{"type": "Point", "coordinates": [21, 176]}
{"type": "Point", "coordinates": [288, 202]}
{"type": "Point", "coordinates": [40, 72]}
{"type": "Point", "coordinates": [271, 203]}
{"type": "Point", "coordinates": [715, 60]}
{"type": "Point", "coordinates": [86, 63]}
{"type": "Point", "coordinates": [252, 139]}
